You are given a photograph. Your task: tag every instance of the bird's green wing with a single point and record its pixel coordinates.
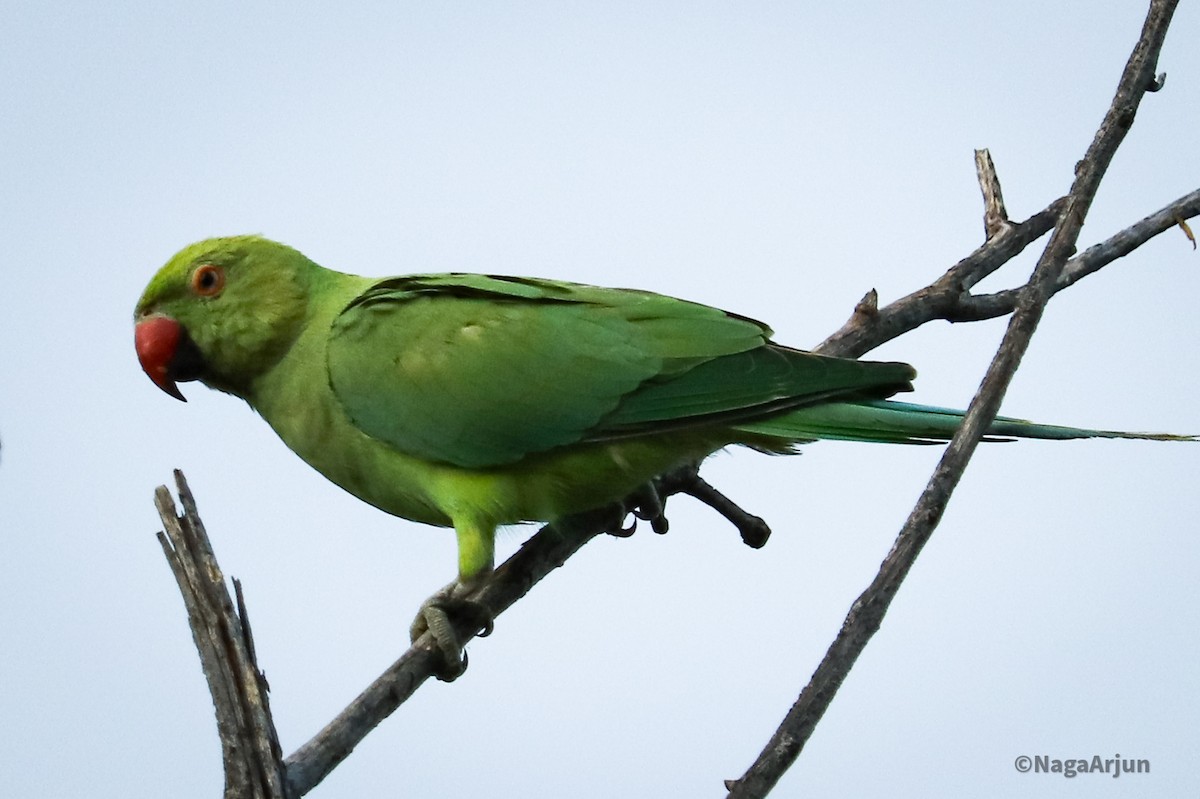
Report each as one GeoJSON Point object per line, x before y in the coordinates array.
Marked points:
{"type": "Point", "coordinates": [480, 371]}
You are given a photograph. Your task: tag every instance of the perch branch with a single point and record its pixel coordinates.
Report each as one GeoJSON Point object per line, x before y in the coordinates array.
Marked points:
{"type": "Point", "coordinates": [548, 549]}
{"type": "Point", "coordinates": [537, 557]}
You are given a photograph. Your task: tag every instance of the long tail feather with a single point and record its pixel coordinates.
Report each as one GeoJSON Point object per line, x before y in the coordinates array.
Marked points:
{"type": "Point", "coordinates": [884, 421]}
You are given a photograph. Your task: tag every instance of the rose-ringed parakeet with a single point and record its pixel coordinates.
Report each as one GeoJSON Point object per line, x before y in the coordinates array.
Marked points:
{"type": "Point", "coordinates": [472, 401]}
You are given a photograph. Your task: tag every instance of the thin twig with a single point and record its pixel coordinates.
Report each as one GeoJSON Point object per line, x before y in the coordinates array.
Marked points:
{"type": "Point", "coordinates": [989, 306]}
{"type": "Point", "coordinates": [995, 215]}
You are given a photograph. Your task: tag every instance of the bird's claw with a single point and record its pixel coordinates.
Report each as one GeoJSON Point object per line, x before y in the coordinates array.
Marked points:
{"type": "Point", "coordinates": [650, 507]}
{"type": "Point", "coordinates": [439, 616]}
{"type": "Point", "coordinates": [645, 504]}
{"type": "Point", "coordinates": [619, 530]}
{"type": "Point", "coordinates": [452, 657]}
{"type": "Point", "coordinates": [471, 613]}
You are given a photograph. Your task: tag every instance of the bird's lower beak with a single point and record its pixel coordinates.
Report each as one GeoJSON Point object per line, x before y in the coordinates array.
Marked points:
{"type": "Point", "coordinates": [157, 339]}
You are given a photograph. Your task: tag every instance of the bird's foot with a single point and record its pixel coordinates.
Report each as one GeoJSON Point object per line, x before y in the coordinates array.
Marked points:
{"type": "Point", "coordinates": [687, 480]}
{"type": "Point", "coordinates": [645, 504]}
{"type": "Point", "coordinates": [440, 615]}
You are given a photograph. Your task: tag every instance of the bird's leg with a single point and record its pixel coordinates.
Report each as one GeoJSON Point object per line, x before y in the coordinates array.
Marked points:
{"type": "Point", "coordinates": [753, 529]}
{"type": "Point", "coordinates": [452, 606]}
{"type": "Point", "coordinates": [649, 502]}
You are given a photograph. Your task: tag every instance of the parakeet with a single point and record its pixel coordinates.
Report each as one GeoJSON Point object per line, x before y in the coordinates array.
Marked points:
{"type": "Point", "coordinates": [472, 401]}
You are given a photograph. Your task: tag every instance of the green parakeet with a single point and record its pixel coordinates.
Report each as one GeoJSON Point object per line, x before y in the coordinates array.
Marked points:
{"type": "Point", "coordinates": [472, 401]}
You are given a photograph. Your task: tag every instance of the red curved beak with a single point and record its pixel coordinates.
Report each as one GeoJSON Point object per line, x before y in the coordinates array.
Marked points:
{"type": "Point", "coordinates": [157, 341]}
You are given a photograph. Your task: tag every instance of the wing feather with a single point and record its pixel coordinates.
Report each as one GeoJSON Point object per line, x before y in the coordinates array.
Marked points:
{"type": "Point", "coordinates": [481, 371]}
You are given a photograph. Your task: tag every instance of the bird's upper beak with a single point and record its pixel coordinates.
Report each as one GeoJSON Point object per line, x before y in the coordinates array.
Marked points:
{"type": "Point", "coordinates": [162, 346]}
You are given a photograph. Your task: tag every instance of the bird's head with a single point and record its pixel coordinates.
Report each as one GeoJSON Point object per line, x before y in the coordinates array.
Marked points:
{"type": "Point", "coordinates": [221, 311]}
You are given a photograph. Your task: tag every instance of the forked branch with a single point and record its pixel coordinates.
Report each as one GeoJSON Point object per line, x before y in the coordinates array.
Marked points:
{"type": "Point", "coordinates": [868, 610]}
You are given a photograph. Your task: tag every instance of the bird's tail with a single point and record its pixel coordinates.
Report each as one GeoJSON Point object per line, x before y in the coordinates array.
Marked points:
{"type": "Point", "coordinates": [885, 421]}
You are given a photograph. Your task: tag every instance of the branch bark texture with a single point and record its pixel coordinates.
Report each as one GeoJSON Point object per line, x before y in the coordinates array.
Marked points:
{"type": "Point", "coordinates": [249, 745]}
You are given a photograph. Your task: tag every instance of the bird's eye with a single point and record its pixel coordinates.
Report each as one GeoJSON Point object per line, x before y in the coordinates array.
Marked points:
{"type": "Point", "coordinates": [208, 280]}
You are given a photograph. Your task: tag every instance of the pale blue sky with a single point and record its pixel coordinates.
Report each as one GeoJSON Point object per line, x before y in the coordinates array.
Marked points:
{"type": "Point", "coordinates": [774, 160]}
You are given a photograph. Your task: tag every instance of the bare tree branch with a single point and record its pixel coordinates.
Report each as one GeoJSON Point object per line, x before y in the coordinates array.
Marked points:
{"type": "Point", "coordinates": [249, 745]}
{"type": "Point", "coordinates": [540, 555]}
{"type": "Point", "coordinates": [865, 331]}
{"type": "Point", "coordinates": [971, 308]}
{"type": "Point", "coordinates": [866, 614]}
